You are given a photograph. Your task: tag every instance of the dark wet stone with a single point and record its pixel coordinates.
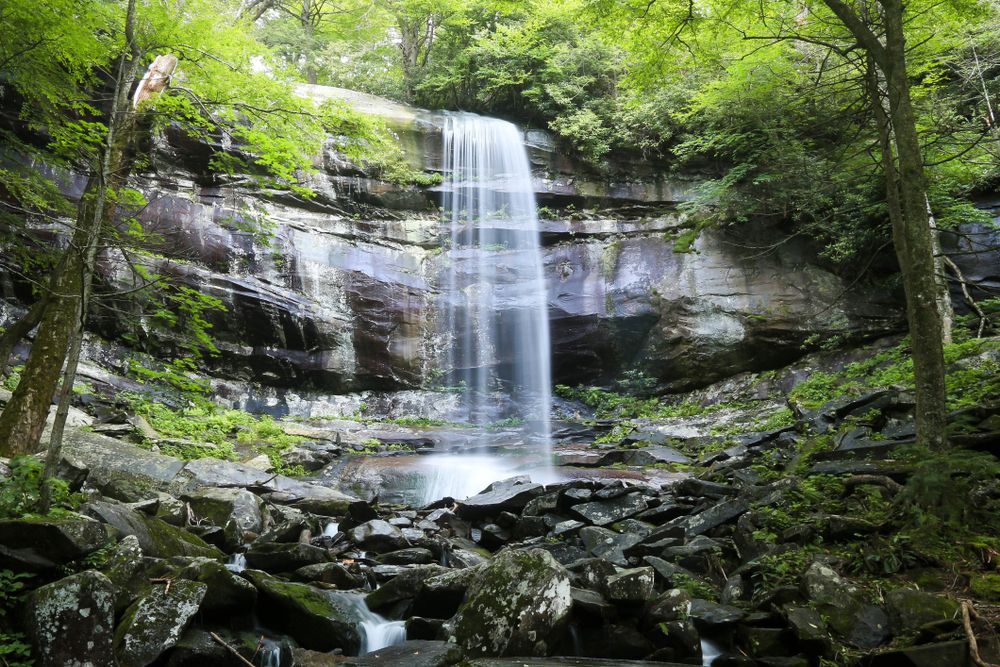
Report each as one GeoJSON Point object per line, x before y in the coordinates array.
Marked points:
{"type": "Point", "coordinates": [406, 586]}
{"type": "Point", "coordinates": [712, 615]}
{"type": "Point", "coordinates": [411, 556]}
{"type": "Point", "coordinates": [699, 488]}
{"type": "Point", "coordinates": [930, 655]}
{"type": "Point", "coordinates": [45, 543]}
{"type": "Point", "coordinates": [503, 498]}
{"type": "Point", "coordinates": [333, 573]}
{"type": "Point", "coordinates": [909, 609]}
{"type": "Point", "coordinates": [227, 593]}
{"type": "Point", "coordinates": [634, 585]}
{"type": "Point", "coordinates": [604, 512]}
{"type": "Point", "coordinates": [284, 557]}
{"type": "Point", "coordinates": [807, 624]}
{"type": "Point", "coordinates": [318, 620]}
{"type": "Point", "coordinates": [715, 516]}
{"type": "Point", "coordinates": [378, 536]}
{"type": "Point", "coordinates": [412, 653]}
{"type": "Point", "coordinates": [157, 538]}
{"type": "Point", "coordinates": [593, 603]}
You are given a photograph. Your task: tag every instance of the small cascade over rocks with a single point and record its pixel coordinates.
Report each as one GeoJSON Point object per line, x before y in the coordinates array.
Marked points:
{"type": "Point", "coordinates": [495, 309]}
{"type": "Point", "coordinates": [237, 563]}
{"type": "Point", "coordinates": [377, 632]}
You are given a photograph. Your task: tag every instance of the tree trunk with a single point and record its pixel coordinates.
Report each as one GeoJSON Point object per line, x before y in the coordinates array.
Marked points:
{"type": "Point", "coordinates": [23, 419]}
{"type": "Point", "coordinates": [915, 248]}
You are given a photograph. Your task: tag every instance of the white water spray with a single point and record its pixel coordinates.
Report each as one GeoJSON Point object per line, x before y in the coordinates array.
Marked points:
{"type": "Point", "coordinates": [496, 301]}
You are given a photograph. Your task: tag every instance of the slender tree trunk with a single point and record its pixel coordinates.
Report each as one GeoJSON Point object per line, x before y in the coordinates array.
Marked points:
{"type": "Point", "coordinates": [916, 248]}
{"type": "Point", "coordinates": [23, 419]}
{"type": "Point", "coordinates": [943, 293]}
{"type": "Point", "coordinates": [18, 330]}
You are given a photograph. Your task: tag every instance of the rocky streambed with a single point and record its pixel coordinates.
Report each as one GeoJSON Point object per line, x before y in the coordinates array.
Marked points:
{"type": "Point", "coordinates": [698, 539]}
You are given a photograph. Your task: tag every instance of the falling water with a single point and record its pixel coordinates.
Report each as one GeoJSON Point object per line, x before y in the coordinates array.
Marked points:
{"type": "Point", "coordinates": [377, 632]}
{"type": "Point", "coordinates": [496, 312]}
{"type": "Point", "coordinates": [237, 563]}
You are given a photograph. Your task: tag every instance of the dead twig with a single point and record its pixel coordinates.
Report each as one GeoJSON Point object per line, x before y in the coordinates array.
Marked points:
{"type": "Point", "coordinates": [163, 580]}
{"type": "Point", "coordinates": [236, 653]}
{"type": "Point", "coordinates": [889, 484]}
{"type": "Point", "coordinates": [967, 612]}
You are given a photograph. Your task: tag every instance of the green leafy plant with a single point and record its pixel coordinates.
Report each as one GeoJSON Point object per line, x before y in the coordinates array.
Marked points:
{"type": "Point", "coordinates": [20, 492]}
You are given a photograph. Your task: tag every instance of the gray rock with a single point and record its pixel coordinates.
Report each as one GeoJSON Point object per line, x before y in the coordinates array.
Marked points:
{"type": "Point", "coordinates": [517, 606]}
{"type": "Point", "coordinates": [72, 621]}
{"type": "Point", "coordinates": [237, 511]}
{"type": "Point", "coordinates": [711, 615]}
{"type": "Point", "coordinates": [378, 536]}
{"type": "Point", "coordinates": [156, 538]}
{"type": "Point", "coordinates": [412, 556]}
{"type": "Point", "coordinates": [502, 498]}
{"type": "Point", "coordinates": [334, 573]}
{"type": "Point", "coordinates": [156, 621]}
{"type": "Point", "coordinates": [284, 557]}
{"type": "Point", "coordinates": [227, 595]}
{"type": "Point", "coordinates": [715, 516]}
{"type": "Point", "coordinates": [405, 586]}
{"type": "Point", "coordinates": [635, 585]}
{"type": "Point", "coordinates": [112, 461]}
{"type": "Point", "coordinates": [45, 543]}
{"type": "Point", "coordinates": [908, 609]}
{"type": "Point", "coordinates": [441, 595]}
{"type": "Point", "coordinates": [807, 624]}
{"type": "Point", "coordinates": [672, 605]}
{"type": "Point", "coordinates": [412, 653]}
{"type": "Point", "coordinates": [603, 512]}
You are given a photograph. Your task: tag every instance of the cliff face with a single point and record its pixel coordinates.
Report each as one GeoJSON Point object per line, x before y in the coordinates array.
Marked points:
{"type": "Point", "coordinates": [344, 297]}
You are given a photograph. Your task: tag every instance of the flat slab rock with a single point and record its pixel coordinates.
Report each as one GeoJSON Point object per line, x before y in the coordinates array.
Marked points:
{"type": "Point", "coordinates": [568, 662]}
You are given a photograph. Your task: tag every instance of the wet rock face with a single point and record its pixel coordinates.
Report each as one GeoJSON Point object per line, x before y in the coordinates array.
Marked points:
{"type": "Point", "coordinates": [518, 606]}
{"type": "Point", "coordinates": [347, 295]}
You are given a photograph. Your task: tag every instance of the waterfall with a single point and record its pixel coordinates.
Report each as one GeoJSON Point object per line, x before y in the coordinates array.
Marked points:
{"type": "Point", "coordinates": [495, 310]}
{"type": "Point", "coordinates": [376, 631]}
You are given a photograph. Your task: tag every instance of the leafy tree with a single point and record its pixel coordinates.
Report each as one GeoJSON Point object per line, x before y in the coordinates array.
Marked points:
{"type": "Point", "coordinates": [218, 93]}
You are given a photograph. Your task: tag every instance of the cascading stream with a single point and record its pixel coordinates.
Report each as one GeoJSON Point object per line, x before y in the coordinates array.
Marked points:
{"type": "Point", "coordinates": [494, 291]}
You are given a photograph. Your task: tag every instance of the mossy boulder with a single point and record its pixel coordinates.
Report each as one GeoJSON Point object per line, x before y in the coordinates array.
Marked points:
{"type": "Point", "coordinates": [45, 543]}
{"type": "Point", "coordinates": [518, 606]}
{"type": "Point", "coordinates": [862, 625]}
{"type": "Point", "coordinates": [72, 621]}
{"type": "Point", "coordinates": [156, 537]}
{"type": "Point", "coordinates": [124, 568]}
{"type": "Point", "coordinates": [156, 621]}
{"type": "Point", "coordinates": [909, 609]}
{"type": "Point", "coordinates": [317, 619]}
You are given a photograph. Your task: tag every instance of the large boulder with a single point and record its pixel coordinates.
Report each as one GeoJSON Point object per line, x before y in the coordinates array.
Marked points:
{"type": "Point", "coordinates": [72, 621]}
{"type": "Point", "coordinates": [227, 594]}
{"type": "Point", "coordinates": [45, 543]}
{"type": "Point", "coordinates": [378, 536]}
{"type": "Point", "coordinates": [156, 621]}
{"type": "Point", "coordinates": [236, 511]}
{"type": "Point", "coordinates": [518, 605]}
{"type": "Point", "coordinates": [317, 619]}
{"type": "Point", "coordinates": [156, 537]}
{"type": "Point", "coordinates": [284, 557]}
